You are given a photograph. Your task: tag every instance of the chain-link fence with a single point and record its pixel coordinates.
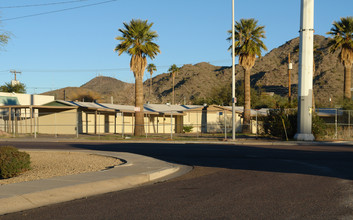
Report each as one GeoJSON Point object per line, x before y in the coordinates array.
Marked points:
{"type": "Point", "coordinates": [339, 123]}
{"type": "Point", "coordinates": [195, 124]}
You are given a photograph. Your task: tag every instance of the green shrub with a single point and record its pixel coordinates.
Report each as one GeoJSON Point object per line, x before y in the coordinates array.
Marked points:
{"type": "Point", "coordinates": [319, 128]}
{"type": "Point", "coordinates": [188, 128]}
{"type": "Point", "coordinates": [13, 162]}
{"type": "Point", "coordinates": [273, 124]}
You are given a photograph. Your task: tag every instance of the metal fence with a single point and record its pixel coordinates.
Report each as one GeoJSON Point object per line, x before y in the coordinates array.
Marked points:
{"type": "Point", "coordinates": [339, 123]}
{"type": "Point", "coordinates": [198, 124]}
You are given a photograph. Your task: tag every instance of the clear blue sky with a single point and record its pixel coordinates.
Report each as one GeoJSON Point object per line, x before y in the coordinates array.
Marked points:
{"type": "Point", "coordinates": [71, 47]}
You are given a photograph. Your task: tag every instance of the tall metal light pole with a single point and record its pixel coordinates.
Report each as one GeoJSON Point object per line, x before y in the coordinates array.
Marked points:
{"type": "Point", "coordinates": [233, 75]}
{"type": "Point", "coordinates": [305, 84]}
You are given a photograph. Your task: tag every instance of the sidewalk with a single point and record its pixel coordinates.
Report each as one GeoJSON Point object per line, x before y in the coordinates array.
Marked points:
{"type": "Point", "coordinates": [136, 171]}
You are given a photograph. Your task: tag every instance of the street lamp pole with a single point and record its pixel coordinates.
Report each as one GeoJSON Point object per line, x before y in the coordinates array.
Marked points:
{"type": "Point", "coordinates": [233, 74]}
{"type": "Point", "coordinates": [305, 82]}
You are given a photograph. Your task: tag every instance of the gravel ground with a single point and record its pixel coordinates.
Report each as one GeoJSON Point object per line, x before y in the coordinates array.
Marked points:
{"type": "Point", "coordinates": [46, 164]}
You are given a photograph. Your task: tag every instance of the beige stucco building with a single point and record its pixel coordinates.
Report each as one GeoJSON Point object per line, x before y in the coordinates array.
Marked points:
{"type": "Point", "coordinates": [73, 118]}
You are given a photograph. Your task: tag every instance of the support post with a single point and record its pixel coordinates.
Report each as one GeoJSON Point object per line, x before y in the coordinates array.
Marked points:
{"type": "Point", "coordinates": [171, 125]}
{"type": "Point", "coordinates": [95, 122]}
{"type": "Point", "coordinates": [35, 126]}
{"type": "Point", "coordinates": [123, 129]}
{"type": "Point", "coordinates": [233, 74]}
{"type": "Point", "coordinates": [115, 116]}
{"type": "Point", "coordinates": [305, 85]}
{"type": "Point", "coordinates": [225, 125]}
{"type": "Point", "coordinates": [289, 80]}
{"type": "Point", "coordinates": [10, 121]}
{"type": "Point", "coordinates": [31, 118]}
{"type": "Point", "coordinates": [77, 120]}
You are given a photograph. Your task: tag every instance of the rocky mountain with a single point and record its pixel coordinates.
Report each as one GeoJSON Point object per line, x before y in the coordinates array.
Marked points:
{"type": "Point", "coordinates": [103, 89]}
{"type": "Point", "coordinates": [198, 81]}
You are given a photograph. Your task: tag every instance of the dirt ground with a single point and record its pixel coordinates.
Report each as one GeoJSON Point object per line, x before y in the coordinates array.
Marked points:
{"type": "Point", "coordinates": [46, 164]}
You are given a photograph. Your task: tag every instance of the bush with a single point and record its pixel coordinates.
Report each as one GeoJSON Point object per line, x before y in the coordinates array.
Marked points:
{"type": "Point", "coordinates": [273, 124]}
{"type": "Point", "coordinates": [319, 128]}
{"type": "Point", "coordinates": [13, 162]}
{"type": "Point", "coordinates": [187, 128]}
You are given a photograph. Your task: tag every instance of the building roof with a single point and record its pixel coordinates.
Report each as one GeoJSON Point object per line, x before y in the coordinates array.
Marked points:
{"type": "Point", "coordinates": [164, 109]}
{"type": "Point", "coordinates": [169, 109]}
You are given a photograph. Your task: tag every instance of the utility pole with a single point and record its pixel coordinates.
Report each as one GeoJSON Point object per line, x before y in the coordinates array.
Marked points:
{"type": "Point", "coordinates": [305, 82]}
{"type": "Point", "coordinates": [15, 82]}
{"type": "Point", "coordinates": [233, 74]}
{"type": "Point", "coordinates": [290, 67]}
{"type": "Point", "coordinates": [15, 72]}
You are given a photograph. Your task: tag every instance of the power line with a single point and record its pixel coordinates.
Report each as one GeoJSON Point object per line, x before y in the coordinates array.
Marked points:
{"type": "Point", "coordinates": [71, 70]}
{"type": "Point", "coordinates": [44, 4]}
{"type": "Point", "coordinates": [56, 11]}
{"type": "Point", "coordinates": [97, 69]}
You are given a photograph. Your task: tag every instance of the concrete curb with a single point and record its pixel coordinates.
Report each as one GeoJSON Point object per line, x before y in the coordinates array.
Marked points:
{"type": "Point", "coordinates": [132, 174]}
{"type": "Point", "coordinates": [237, 141]}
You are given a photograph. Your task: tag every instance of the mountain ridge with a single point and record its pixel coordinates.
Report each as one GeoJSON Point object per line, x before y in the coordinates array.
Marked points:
{"type": "Point", "coordinates": [198, 81]}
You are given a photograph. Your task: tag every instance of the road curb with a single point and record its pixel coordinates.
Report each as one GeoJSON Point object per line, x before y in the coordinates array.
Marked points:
{"type": "Point", "coordinates": [237, 141]}
{"type": "Point", "coordinates": [39, 198]}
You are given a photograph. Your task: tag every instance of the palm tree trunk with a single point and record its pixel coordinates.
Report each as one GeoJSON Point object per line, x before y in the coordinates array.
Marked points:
{"type": "Point", "coordinates": [347, 81]}
{"type": "Point", "coordinates": [151, 85]}
{"type": "Point", "coordinates": [247, 102]}
{"type": "Point", "coordinates": [139, 116]}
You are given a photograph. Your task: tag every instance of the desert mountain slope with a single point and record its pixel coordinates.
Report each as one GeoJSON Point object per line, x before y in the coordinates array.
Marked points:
{"type": "Point", "coordinates": [198, 81]}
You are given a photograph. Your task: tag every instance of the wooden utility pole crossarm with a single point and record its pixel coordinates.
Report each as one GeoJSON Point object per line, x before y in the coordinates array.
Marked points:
{"type": "Point", "coordinates": [15, 72]}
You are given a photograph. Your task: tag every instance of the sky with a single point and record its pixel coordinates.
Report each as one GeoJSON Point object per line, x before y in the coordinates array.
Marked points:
{"type": "Point", "coordinates": [71, 47]}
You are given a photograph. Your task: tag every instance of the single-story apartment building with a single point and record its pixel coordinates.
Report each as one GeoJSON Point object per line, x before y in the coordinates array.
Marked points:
{"type": "Point", "coordinates": [69, 117]}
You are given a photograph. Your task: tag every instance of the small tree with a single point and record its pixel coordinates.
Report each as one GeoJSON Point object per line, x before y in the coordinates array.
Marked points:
{"type": "Point", "coordinates": [16, 88]}
{"type": "Point", "coordinates": [173, 70]}
{"type": "Point", "coordinates": [84, 95]}
{"type": "Point", "coordinates": [151, 68]}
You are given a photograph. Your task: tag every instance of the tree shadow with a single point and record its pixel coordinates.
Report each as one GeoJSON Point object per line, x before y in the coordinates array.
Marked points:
{"type": "Point", "coordinates": [298, 160]}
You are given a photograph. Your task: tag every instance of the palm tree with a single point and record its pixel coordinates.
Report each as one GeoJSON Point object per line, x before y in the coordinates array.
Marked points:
{"type": "Point", "coordinates": [137, 41]}
{"type": "Point", "coordinates": [173, 70]}
{"type": "Point", "coordinates": [151, 68]}
{"type": "Point", "coordinates": [342, 32]}
{"type": "Point", "coordinates": [4, 38]}
{"type": "Point", "coordinates": [248, 45]}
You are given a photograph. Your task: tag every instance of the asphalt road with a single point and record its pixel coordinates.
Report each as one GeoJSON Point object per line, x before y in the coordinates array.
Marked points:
{"type": "Point", "coordinates": [228, 182]}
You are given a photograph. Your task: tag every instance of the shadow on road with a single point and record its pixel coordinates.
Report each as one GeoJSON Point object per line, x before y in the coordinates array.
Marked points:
{"type": "Point", "coordinates": [332, 161]}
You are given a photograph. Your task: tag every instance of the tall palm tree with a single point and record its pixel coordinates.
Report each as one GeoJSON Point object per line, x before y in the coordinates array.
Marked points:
{"type": "Point", "coordinates": [4, 38]}
{"type": "Point", "coordinates": [342, 32]}
{"type": "Point", "coordinates": [151, 68]}
{"type": "Point", "coordinates": [248, 46]}
{"type": "Point", "coordinates": [173, 70]}
{"type": "Point", "coordinates": [137, 40]}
